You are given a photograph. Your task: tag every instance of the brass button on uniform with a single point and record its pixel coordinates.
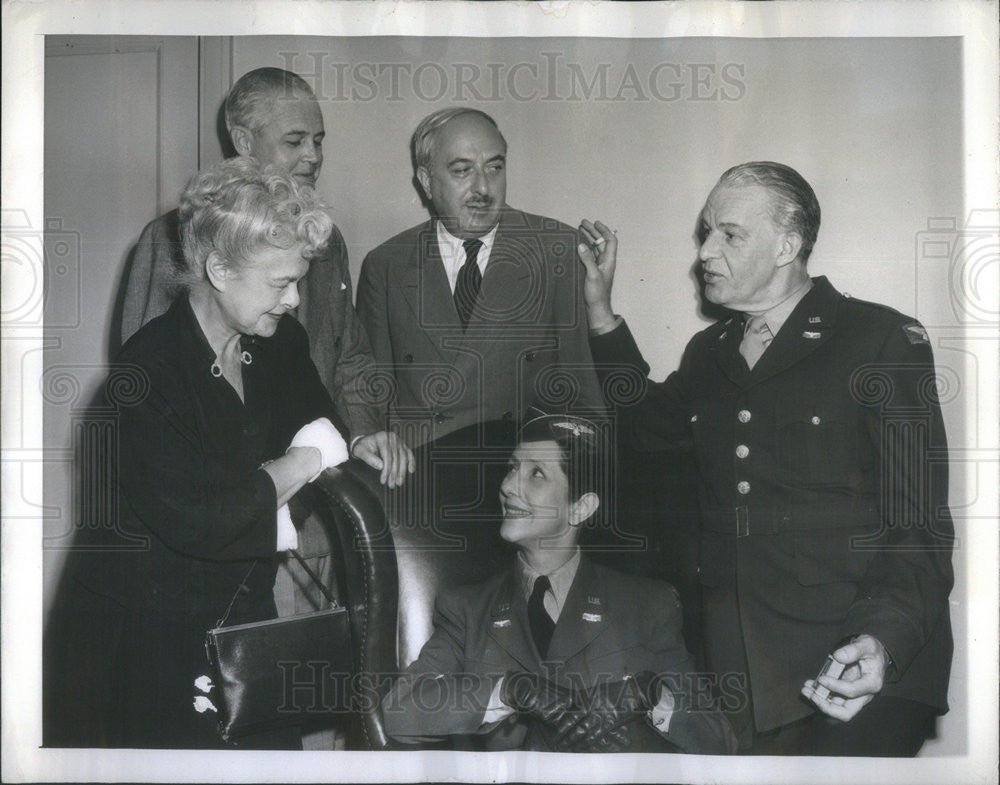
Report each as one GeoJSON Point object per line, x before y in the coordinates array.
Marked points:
{"type": "Point", "coordinates": [743, 416]}
{"type": "Point", "coordinates": [815, 420]}
{"type": "Point", "coordinates": [742, 451]}
{"type": "Point", "coordinates": [743, 487]}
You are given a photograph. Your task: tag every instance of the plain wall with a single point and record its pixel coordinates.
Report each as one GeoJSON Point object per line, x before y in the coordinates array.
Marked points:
{"type": "Point", "coordinates": [873, 124]}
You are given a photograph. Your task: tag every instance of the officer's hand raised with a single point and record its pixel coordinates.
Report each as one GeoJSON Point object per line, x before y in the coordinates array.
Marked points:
{"type": "Point", "coordinates": [598, 251]}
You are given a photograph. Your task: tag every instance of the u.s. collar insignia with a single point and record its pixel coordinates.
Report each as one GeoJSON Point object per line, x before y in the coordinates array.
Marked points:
{"type": "Point", "coordinates": [503, 609]}
{"type": "Point", "coordinates": [592, 617]}
{"type": "Point", "coordinates": [811, 335]}
{"type": "Point", "coordinates": [815, 319]}
{"type": "Point", "coordinates": [593, 600]}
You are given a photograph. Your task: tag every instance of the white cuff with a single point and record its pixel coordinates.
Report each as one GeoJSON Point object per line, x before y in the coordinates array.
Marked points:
{"type": "Point", "coordinates": [496, 709]}
{"type": "Point", "coordinates": [661, 714]}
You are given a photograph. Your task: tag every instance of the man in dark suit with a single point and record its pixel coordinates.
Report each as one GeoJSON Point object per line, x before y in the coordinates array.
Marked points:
{"type": "Point", "coordinates": [273, 115]}
{"type": "Point", "coordinates": [557, 653]}
{"type": "Point", "coordinates": [479, 312]}
{"type": "Point", "coordinates": [822, 479]}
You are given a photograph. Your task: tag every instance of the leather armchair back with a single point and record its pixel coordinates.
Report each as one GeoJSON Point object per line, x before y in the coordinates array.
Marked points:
{"type": "Point", "coordinates": [395, 550]}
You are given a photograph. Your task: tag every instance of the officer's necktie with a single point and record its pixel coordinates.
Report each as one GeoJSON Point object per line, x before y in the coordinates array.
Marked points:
{"type": "Point", "coordinates": [538, 618]}
{"type": "Point", "coordinates": [469, 281]}
{"type": "Point", "coordinates": [756, 338]}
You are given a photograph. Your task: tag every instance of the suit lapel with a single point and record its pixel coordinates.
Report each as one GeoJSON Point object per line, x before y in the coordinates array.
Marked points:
{"type": "Point", "coordinates": [585, 615]}
{"type": "Point", "coordinates": [513, 283]}
{"type": "Point", "coordinates": [425, 286]}
{"type": "Point", "coordinates": [509, 623]}
{"type": "Point", "coordinates": [807, 328]}
{"type": "Point", "coordinates": [512, 291]}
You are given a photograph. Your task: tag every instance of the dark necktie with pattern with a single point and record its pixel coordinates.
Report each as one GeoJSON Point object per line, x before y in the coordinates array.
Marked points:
{"type": "Point", "coordinates": [539, 620]}
{"type": "Point", "coordinates": [469, 281]}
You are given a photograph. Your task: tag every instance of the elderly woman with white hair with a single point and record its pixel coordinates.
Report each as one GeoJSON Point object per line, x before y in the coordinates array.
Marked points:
{"type": "Point", "coordinates": [234, 420]}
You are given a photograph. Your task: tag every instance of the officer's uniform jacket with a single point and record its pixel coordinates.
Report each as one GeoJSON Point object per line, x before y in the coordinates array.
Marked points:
{"type": "Point", "coordinates": [526, 342]}
{"type": "Point", "coordinates": [823, 493]}
{"type": "Point", "coordinates": [610, 625]}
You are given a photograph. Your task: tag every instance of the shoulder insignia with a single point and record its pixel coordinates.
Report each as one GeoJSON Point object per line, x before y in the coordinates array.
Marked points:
{"type": "Point", "coordinates": [915, 333]}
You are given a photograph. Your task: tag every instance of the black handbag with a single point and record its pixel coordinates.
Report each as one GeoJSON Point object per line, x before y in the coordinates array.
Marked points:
{"type": "Point", "coordinates": [281, 672]}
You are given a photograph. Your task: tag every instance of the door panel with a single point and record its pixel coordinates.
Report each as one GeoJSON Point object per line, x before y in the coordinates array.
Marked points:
{"type": "Point", "coordinates": [121, 138]}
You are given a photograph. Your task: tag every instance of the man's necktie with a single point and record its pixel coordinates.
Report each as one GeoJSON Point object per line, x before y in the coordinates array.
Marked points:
{"type": "Point", "coordinates": [538, 618]}
{"type": "Point", "coordinates": [756, 338]}
{"type": "Point", "coordinates": [469, 281]}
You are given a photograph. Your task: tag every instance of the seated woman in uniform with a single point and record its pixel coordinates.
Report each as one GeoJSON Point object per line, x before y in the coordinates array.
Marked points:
{"type": "Point", "coordinates": [557, 653]}
{"type": "Point", "coordinates": [232, 421]}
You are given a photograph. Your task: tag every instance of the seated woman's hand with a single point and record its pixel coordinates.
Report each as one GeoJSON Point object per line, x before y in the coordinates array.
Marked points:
{"type": "Point", "coordinates": [323, 436]}
{"type": "Point", "coordinates": [609, 708]}
{"type": "Point", "coordinates": [387, 452]}
{"type": "Point", "coordinates": [528, 693]}
{"type": "Point", "coordinates": [555, 708]}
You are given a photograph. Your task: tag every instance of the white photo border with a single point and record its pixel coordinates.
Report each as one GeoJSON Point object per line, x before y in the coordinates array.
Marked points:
{"type": "Point", "coordinates": [24, 28]}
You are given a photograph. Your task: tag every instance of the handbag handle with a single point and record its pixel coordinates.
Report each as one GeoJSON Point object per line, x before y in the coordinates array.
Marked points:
{"type": "Point", "coordinates": [298, 557]}
{"type": "Point", "coordinates": [315, 578]}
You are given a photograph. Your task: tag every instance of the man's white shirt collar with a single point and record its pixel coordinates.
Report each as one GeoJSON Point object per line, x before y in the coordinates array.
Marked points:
{"type": "Point", "coordinates": [453, 252]}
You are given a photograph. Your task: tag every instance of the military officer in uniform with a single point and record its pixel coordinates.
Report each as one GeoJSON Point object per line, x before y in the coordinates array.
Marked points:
{"type": "Point", "coordinates": [822, 479]}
